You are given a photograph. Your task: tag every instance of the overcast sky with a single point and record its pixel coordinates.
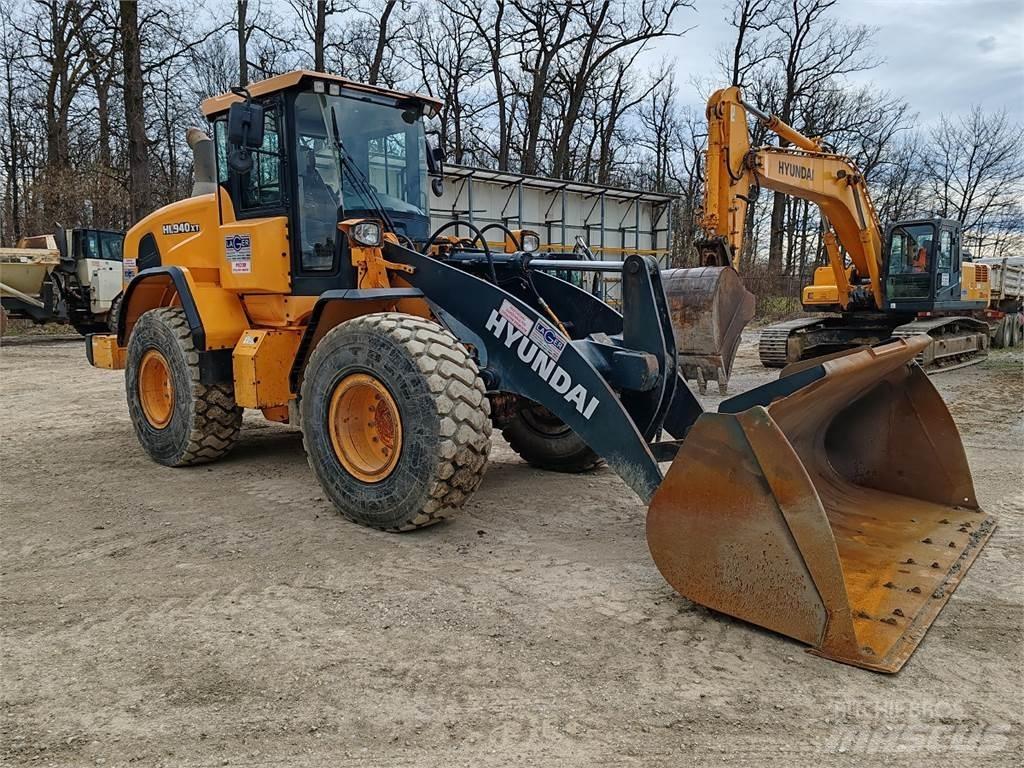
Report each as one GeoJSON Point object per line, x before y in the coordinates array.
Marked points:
{"type": "Point", "coordinates": [940, 55]}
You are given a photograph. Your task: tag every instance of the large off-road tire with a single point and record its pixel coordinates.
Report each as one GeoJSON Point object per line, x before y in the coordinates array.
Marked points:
{"type": "Point", "coordinates": [178, 420]}
{"type": "Point", "coordinates": [114, 312]}
{"type": "Point", "coordinates": [395, 421]}
{"type": "Point", "coordinates": [544, 441]}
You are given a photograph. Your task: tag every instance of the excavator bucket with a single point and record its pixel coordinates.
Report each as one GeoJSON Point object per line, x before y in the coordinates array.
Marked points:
{"type": "Point", "coordinates": [834, 506]}
{"type": "Point", "coordinates": [709, 308]}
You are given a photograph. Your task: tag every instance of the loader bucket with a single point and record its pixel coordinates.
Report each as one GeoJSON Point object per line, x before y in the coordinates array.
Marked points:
{"type": "Point", "coordinates": [834, 506]}
{"type": "Point", "coordinates": [709, 308]}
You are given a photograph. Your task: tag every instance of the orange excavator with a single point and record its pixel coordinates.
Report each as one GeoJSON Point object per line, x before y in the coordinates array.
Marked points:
{"type": "Point", "coordinates": [904, 279]}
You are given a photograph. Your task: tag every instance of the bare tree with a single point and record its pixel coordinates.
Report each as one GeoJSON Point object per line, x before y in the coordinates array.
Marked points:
{"type": "Point", "coordinates": [135, 112]}
{"type": "Point", "coordinates": [975, 172]}
{"type": "Point", "coordinates": [606, 29]}
{"type": "Point", "coordinates": [750, 49]}
{"type": "Point", "coordinates": [488, 21]}
{"type": "Point", "coordinates": [312, 17]}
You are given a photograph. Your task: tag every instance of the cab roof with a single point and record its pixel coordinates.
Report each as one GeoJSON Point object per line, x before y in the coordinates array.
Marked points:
{"type": "Point", "coordinates": [217, 104]}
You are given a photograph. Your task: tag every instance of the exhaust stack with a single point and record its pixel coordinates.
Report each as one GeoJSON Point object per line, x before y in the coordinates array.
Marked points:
{"type": "Point", "coordinates": [204, 164]}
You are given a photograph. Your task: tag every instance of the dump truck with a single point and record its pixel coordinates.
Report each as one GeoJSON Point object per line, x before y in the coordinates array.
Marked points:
{"type": "Point", "coordinates": [1005, 311]}
{"type": "Point", "coordinates": [905, 278]}
{"type": "Point", "coordinates": [73, 276]}
{"type": "Point", "coordinates": [303, 279]}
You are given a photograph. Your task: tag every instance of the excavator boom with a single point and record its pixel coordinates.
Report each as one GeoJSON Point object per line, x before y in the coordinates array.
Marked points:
{"type": "Point", "coordinates": [805, 170]}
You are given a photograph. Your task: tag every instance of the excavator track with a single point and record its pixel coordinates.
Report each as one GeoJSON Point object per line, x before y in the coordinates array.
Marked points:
{"type": "Point", "coordinates": [773, 348]}
{"type": "Point", "coordinates": [957, 342]}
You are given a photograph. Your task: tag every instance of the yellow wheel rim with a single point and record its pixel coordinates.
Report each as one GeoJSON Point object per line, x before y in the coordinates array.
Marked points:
{"type": "Point", "coordinates": [156, 390]}
{"type": "Point", "coordinates": [365, 427]}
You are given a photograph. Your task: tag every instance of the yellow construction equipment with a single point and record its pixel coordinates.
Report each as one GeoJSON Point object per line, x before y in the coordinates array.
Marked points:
{"type": "Point", "coordinates": [909, 278]}
{"type": "Point", "coordinates": [301, 279]}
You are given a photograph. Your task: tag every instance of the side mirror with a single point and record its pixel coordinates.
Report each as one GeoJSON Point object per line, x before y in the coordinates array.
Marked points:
{"type": "Point", "coordinates": [435, 165]}
{"type": "Point", "coordinates": [245, 125]}
{"type": "Point", "coordinates": [245, 131]}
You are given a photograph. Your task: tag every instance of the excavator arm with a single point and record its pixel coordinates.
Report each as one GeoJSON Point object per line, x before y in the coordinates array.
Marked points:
{"type": "Point", "coordinates": [736, 172]}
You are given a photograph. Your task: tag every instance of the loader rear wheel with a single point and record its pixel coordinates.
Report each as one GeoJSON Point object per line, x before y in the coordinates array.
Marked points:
{"type": "Point", "coordinates": [395, 421]}
{"type": "Point", "coordinates": [544, 441]}
{"type": "Point", "coordinates": [179, 421]}
{"type": "Point", "coordinates": [114, 312]}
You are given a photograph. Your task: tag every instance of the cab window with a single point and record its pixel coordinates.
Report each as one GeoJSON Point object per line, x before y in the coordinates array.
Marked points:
{"type": "Point", "coordinates": [220, 138]}
{"type": "Point", "coordinates": [111, 244]}
{"type": "Point", "coordinates": [387, 160]}
{"type": "Point", "coordinates": [910, 249]}
{"type": "Point", "coordinates": [945, 257]}
{"type": "Point", "coordinates": [90, 245]}
{"type": "Point", "coordinates": [261, 187]}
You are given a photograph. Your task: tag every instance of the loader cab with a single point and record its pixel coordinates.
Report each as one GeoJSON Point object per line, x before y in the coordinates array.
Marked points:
{"type": "Point", "coordinates": [924, 267]}
{"type": "Point", "coordinates": [331, 150]}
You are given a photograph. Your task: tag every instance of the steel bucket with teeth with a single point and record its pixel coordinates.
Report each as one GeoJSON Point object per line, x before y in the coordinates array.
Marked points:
{"type": "Point", "coordinates": [834, 506]}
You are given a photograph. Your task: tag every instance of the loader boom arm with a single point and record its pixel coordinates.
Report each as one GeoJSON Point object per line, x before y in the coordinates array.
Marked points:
{"type": "Point", "coordinates": [804, 170]}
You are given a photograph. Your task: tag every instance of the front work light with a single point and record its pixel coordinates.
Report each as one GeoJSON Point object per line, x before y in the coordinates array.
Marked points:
{"type": "Point", "coordinates": [366, 233]}
{"type": "Point", "coordinates": [529, 241]}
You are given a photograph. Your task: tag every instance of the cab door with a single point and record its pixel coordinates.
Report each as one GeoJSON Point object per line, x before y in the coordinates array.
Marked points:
{"type": "Point", "coordinates": [947, 267]}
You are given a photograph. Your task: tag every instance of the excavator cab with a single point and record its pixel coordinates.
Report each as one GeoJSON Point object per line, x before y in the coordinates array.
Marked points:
{"type": "Point", "coordinates": [925, 269]}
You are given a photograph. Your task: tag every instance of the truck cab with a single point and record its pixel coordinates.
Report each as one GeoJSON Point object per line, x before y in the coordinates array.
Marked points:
{"type": "Point", "coordinates": [926, 269]}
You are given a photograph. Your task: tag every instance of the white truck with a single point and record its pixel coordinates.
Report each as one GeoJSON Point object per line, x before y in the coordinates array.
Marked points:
{"type": "Point", "coordinates": [73, 276]}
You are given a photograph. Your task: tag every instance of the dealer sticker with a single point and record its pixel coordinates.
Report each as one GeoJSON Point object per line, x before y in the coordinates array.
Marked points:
{"type": "Point", "coordinates": [548, 339]}
{"type": "Point", "coordinates": [238, 249]}
{"type": "Point", "coordinates": [518, 320]}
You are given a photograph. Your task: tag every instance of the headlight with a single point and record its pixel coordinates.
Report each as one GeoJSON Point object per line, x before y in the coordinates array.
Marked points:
{"type": "Point", "coordinates": [530, 241]}
{"type": "Point", "coordinates": [366, 233]}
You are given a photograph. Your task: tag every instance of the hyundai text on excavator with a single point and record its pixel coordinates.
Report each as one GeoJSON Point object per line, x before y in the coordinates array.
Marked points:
{"type": "Point", "coordinates": [909, 278]}
{"type": "Point", "coordinates": [300, 279]}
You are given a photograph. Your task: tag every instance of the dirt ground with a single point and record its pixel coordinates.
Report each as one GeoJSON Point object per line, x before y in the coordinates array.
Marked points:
{"type": "Point", "coordinates": [225, 615]}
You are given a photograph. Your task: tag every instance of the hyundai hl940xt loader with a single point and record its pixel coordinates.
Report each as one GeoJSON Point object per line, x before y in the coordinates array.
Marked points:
{"type": "Point", "coordinates": [834, 505]}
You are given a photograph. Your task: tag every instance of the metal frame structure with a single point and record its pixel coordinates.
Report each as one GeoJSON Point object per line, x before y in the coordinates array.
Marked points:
{"type": "Point", "coordinates": [614, 222]}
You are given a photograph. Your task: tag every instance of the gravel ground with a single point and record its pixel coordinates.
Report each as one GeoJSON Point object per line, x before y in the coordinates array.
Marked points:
{"type": "Point", "coordinates": [225, 615]}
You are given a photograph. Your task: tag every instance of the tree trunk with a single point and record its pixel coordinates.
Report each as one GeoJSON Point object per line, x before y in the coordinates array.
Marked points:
{"type": "Point", "coordinates": [134, 112]}
{"type": "Point", "coordinates": [778, 231]}
{"type": "Point", "coordinates": [382, 42]}
{"type": "Point", "coordinates": [14, 162]}
{"type": "Point", "coordinates": [319, 31]}
{"type": "Point", "coordinates": [243, 61]}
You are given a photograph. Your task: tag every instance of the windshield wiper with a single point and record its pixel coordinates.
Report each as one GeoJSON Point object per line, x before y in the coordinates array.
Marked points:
{"type": "Point", "coordinates": [356, 175]}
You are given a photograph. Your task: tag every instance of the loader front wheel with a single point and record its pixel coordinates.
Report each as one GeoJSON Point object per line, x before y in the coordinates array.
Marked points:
{"type": "Point", "coordinates": [395, 421]}
{"type": "Point", "coordinates": [544, 441]}
{"type": "Point", "coordinates": [179, 420]}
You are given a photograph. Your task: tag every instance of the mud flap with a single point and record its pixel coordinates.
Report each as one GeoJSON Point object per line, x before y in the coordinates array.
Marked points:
{"type": "Point", "coordinates": [834, 506]}
{"type": "Point", "coordinates": [709, 308]}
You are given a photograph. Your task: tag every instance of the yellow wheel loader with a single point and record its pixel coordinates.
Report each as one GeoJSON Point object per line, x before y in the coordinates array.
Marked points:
{"type": "Point", "coordinates": [301, 279]}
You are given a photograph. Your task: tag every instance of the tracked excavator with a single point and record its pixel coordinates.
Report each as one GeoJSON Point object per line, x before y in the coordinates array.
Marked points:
{"type": "Point", "coordinates": [301, 279]}
{"type": "Point", "coordinates": [905, 279]}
